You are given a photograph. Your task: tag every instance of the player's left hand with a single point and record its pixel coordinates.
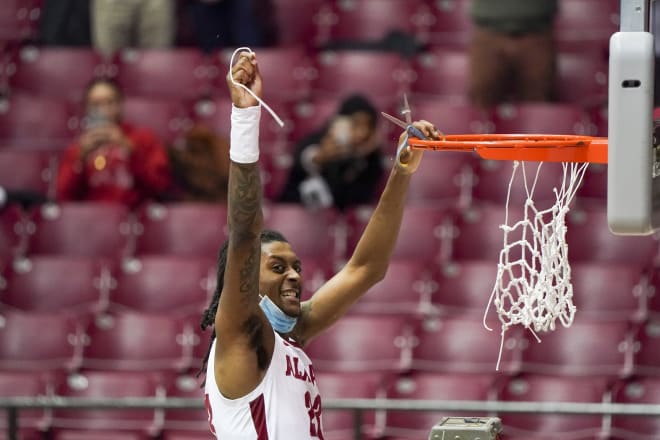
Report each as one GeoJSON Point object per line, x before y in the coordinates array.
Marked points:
{"type": "Point", "coordinates": [410, 158]}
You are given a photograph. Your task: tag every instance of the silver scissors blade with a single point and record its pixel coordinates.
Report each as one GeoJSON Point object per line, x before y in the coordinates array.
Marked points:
{"type": "Point", "coordinates": [394, 120]}
{"type": "Point", "coordinates": [406, 110]}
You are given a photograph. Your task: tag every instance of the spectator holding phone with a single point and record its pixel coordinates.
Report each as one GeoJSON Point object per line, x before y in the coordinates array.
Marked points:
{"type": "Point", "coordinates": [112, 160]}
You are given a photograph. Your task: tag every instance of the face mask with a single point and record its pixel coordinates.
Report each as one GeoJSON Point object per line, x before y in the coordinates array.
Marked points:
{"type": "Point", "coordinates": [281, 322]}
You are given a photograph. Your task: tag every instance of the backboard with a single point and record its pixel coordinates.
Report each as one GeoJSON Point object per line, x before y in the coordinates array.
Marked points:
{"type": "Point", "coordinates": [633, 179]}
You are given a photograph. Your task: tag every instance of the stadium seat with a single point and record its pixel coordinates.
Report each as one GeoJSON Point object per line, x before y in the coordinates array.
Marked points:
{"type": "Point", "coordinates": [444, 178]}
{"type": "Point", "coordinates": [441, 74]}
{"type": "Point", "coordinates": [163, 283]}
{"type": "Point", "coordinates": [363, 343]}
{"type": "Point", "coordinates": [451, 25]}
{"type": "Point", "coordinates": [309, 232]}
{"type": "Point", "coordinates": [12, 232]}
{"type": "Point", "coordinates": [586, 348]}
{"type": "Point", "coordinates": [541, 118]}
{"type": "Point", "coordinates": [405, 286]}
{"type": "Point", "coordinates": [184, 229]}
{"type": "Point", "coordinates": [43, 341]}
{"type": "Point", "coordinates": [289, 83]}
{"type": "Point", "coordinates": [57, 284]}
{"type": "Point", "coordinates": [275, 169]}
{"type": "Point", "coordinates": [340, 424]}
{"type": "Point", "coordinates": [56, 72]}
{"type": "Point", "coordinates": [132, 341]}
{"type": "Point", "coordinates": [425, 233]}
{"type": "Point", "coordinates": [316, 270]}
{"type": "Point", "coordinates": [646, 358]}
{"type": "Point", "coordinates": [594, 184]}
{"type": "Point", "coordinates": [310, 115]}
{"type": "Point", "coordinates": [189, 73]}
{"type": "Point", "coordinates": [298, 22]}
{"type": "Point", "coordinates": [31, 423]}
{"type": "Point", "coordinates": [589, 238]}
{"type": "Point", "coordinates": [449, 116]}
{"type": "Point", "coordinates": [19, 19]}
{"type": "Point", "coordinates": [380, 76]}
{"type": "Point", "coordinates": [582, 79]}
{"type": "Point", "coordinates": [178, 423]}
{"type": "Point", "coordinates": [36, 122]}
{"type": "Point", "coordinates": [464, 288]}
{"type": "Point", "coordinates": [98, 424]}
{"type": "Point", "coordinates": [535, 388]}
{"type": "Point", "coordinates": [432, 386]}
{"type": "Point", "coordinates": [580, 22]}
{"type": "Point", "coordinates": [609, 292]}
{"type": "Point", "coordinates": [37, 170]}
{"type": "Point", "coordinates": [463, 345]}
{"type": "Point", "coordinates": [80, 229]}
{"type": "Point", "coordinates": [167, 118]}
{"type": "Point", "coordinates": [637, 391]}
{"type": "Point", "coordinates": [373, 20]}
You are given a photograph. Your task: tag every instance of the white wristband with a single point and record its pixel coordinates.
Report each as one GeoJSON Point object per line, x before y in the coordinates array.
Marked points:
{"type": "Point", "coordinates": [244, 135]}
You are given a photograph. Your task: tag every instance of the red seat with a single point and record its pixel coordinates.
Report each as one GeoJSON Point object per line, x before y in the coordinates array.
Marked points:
{"type": "Point", "coordinates": [57, 72]}
{"type": "Point", "coordinates": [80, 229]}
{"type": "Point", "coordinates": [36, 122]}
{"type": "Point", "coordinates": [12, 232]}
{"type": "Point", "coordinates": [39, 341]}
{"type": "Point", "coordinates": [441, 73]}
{"type": "Point", "coordinates": [189, 73]}
{"type": "Point", "coordinates": [638, 391]}
{"type": "Point", "coordinates": [310, 115]}
{"type": "Point", "coordinates": [33, 422]}
{"type": "Point", "coordinates": [184, 229]}
{"type": "Point", "coordinates": [609, 292]}
{"type": "Point", "coordinates": [97, 424]}
{"type": "Point", "coordinates": [582, 78]}
{"type": "Point", "coordinates": [133, 341]}
{"type": "Point", "coordinates": [309, 232]}
{"type": "Point", "coordinates": [298, 22]}
{"type": "Point", "coordinates": [316, 270]}
{"type": "Point", "coordinates": [541, 118]}
{"type": "Point", "coordinates": [532, 388]}
{"type": "Point", "coordinates": [449, 116]}
{"type": "Point", "coordinates": [451, 25]}
{"type": "Point", "coordinates": [424, 235]}
{"type": "Point", "coordinates": [445, 178]}
{"type": "Point", "coordinates": [19, 19]}
{"type": "Point", "coordinates": [337, 424]}
{"type": "Point", "coordinates": [159, 284]}
{"type": "Point", "coordinates": [403, 290]}
{"type": "Point", "coordinates": [594, 184]}
{"type": "Point", "coordinates": [57, 284]}
{"type": "Point", "coordinates": [379, 75]}
{"type": "Point", "coordinates": [167, 118]}
{"type": "Point", "coordinates": [179, 422]}
{"type": "Point", "coordinates": [584, 349]}
{"type": "Point", "coordinates": [36, 174]}
{"type": "Point", "coordinates": [589, 238]}
{"type": "Point", "coordinates": [275, 170]}
{"type": "Point", "coordinates": [464, 288]}
{"type": "Point", "coordinates": [463, 345]}
{"type": "Point", "coordinates": [363, 343]}
{"type": "Point", "coordinates": [432, 386]}
{"type": "Point", "coordinates": [372, 20]}
{"type": "Point", "coordinates": [647, 360]}
{"type": "Point", "coordinates": [580, 22]}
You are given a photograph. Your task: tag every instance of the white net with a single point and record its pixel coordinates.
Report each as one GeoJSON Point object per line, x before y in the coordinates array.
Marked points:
{"type": "Point", "coordinates": [533, 285]}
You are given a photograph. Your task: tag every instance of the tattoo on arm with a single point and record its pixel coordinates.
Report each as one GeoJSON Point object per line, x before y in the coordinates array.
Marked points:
{"type": "Point", "coordinates": [250, 274]}
{"type": "Point", "coordinates": [244, 196]}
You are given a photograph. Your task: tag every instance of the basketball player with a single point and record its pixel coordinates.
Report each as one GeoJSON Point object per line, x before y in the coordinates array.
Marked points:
{"type": "Point", "coordinates": [259, 382]}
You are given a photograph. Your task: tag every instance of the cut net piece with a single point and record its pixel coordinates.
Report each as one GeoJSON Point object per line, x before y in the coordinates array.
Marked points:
{"type": "Point", "coordinates": [534, 287]}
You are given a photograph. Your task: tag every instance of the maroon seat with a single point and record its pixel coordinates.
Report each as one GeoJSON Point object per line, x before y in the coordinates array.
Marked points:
{"type": "Point", "coordinates": [19, 19]}
{"type": "Point", "coordinates": [12, 232]}
{"type": "Point", "coordinates": [184, 229]}
{"type": "Point", "coordinates": [451, 25]}
{"type": "Point", "coordinates": [164, 283]}
{"type": "Point", "coordinates": [441, 73]}
{"type": "Point", "coordinates": [57, 72]}
{"type": "Point", "coordinates": [533, 388]}
{"type": "Point", "coordinates": [464, 288]}
{"type": "Point", "coordinates": [36, 122]}
{"type": "Point", "coordinates": [132, 341]}
{"type": "Point", "coordinates": [179, 422]}
{"type": "Point", "coordinates": [448, 115]}
{"type": "Point", "coordinates": [582, 78]}
{"type": "Point", "coordinates": [310, 115]}
{"type": "Point", "coordinates": [57, 284]}
{"type": "Point", "coordinates": [580, 22]}
{"type": "Point", "coordinates": [463, 345]}
{"type": "Point", "coordinates": [99, 229]}
{"type": "Point", "coordinates": [97, 424]}
{"type": "Point", "coordinates": [189, 73]}
{"type": "Point", "coordinates": [640, 391]}
{"type": "Point", "coordinates": [33, 422]}
{"type": "Point", "coordinates": [647, 359]}
{"type": "Point", "coordinates": [363, 343]}
{"type": "Point", "coordinates": [445, 178]}
{"type": "Point", "coordinates": [167, 118]}
{"type": "Point", "coordinates": [37, 169]}
{"type": "Point", "coordinates": [432, 386]}
{"type": "Point", "coordinates": [298, 22]}
{"type": "Point", "coordinates": [541, 118]}
{"type": "Point", "coordinates": [39, 341]}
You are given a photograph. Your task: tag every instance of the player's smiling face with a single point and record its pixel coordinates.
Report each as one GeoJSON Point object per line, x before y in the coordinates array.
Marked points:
{"type": "Point", "coordinates": [281, 276]}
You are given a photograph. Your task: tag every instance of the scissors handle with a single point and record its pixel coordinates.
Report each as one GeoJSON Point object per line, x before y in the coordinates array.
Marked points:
{"type": "Point", "coordinates": [414, 131]}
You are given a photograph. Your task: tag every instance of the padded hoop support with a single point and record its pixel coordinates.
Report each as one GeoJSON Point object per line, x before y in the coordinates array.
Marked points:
{"type": "Point", "coordinates": [523, 147]}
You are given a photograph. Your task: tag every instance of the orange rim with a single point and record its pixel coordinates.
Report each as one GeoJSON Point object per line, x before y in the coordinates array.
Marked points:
{"type": "Point", "coordinates": [524, 147]}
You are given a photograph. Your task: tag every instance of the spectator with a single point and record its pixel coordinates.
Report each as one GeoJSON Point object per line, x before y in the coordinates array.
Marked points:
{"type": "Point", "coordinates": [144, 23]}
{"type": "Point", "coordinates": [512, 53]}
{"type": "Point", "coordinates": [200, 166]}
{"type": "Point", "coordinates": [232, 23]}
{"type": "Point", "coordinates": [112, 160]}
{"type": "Point", "coordinates": [341, 164]}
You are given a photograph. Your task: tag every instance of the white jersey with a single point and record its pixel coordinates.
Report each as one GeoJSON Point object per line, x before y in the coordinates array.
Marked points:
{"type": "Point", "coordinates": [285, 405]}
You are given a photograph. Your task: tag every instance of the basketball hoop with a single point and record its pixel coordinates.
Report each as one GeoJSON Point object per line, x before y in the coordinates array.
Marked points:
{"type": "Point", "coordinates": [533, 288]}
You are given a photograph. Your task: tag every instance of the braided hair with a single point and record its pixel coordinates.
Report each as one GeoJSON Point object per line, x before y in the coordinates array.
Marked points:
{"type": "Point", "coordinates": [208, 317]}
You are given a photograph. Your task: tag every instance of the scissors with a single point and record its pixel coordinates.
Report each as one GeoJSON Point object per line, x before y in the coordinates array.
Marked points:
{"type": "Point", "coordinates": [411, 130]}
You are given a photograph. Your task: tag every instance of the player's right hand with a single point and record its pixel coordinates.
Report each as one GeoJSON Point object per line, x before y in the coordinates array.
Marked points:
{"type": "Point", "coordinates": [410, 158]}
{"type": "Point", "coordinates": [245, 71]}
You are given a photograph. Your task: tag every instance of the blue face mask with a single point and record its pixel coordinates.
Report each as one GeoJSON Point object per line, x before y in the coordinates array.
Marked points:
{"type": "Point", "coordinates": [281, 322]}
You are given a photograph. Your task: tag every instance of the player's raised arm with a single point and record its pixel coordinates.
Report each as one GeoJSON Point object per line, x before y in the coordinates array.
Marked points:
{"type": "Point", "coordinates": [371, 257]}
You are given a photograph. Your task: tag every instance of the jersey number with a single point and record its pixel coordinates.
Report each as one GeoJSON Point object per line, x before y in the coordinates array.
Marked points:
{"type": "Point", "coordinates": [314, 412]}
